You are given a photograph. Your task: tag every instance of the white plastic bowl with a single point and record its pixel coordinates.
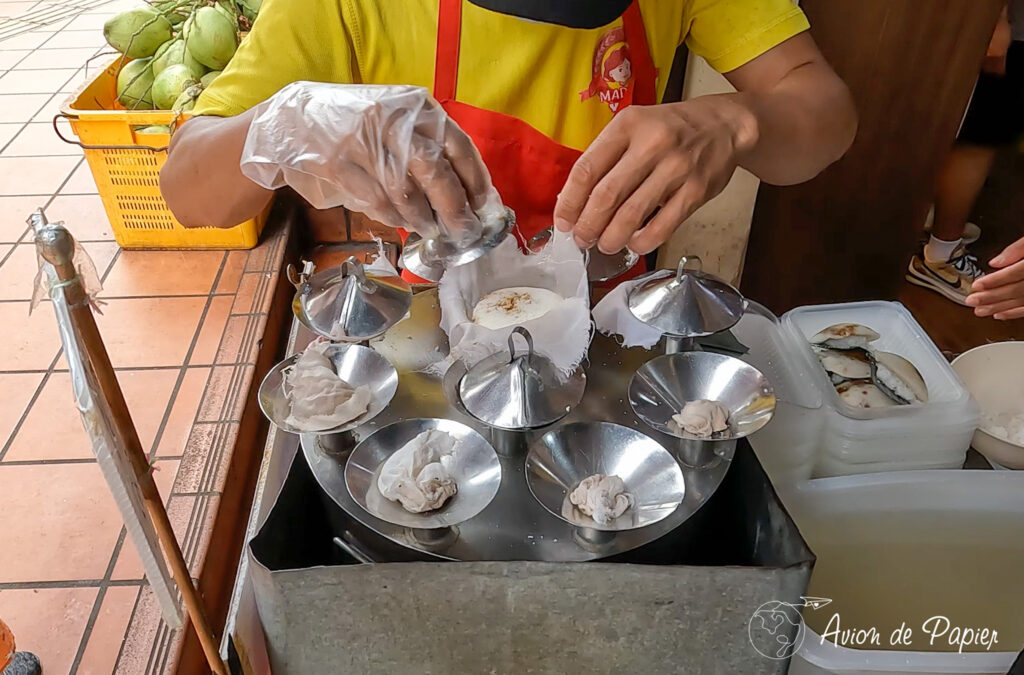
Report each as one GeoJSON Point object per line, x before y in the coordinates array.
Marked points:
{"type": "Point", "coordinates": [994, 374]}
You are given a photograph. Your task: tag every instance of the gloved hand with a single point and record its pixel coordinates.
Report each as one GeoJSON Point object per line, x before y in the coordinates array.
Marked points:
{"type": "Point", "coordinates": [390, 152]}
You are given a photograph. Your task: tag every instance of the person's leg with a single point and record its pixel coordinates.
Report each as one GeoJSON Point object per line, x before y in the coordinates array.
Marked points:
{"type": "Point", "coordinates": [960, 182]}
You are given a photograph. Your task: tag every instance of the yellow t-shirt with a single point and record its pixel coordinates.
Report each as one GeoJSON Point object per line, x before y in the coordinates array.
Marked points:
{"type": "Point", "coordinates": [531, 70]}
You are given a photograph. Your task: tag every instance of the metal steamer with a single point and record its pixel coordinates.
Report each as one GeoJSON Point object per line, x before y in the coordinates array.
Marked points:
{"type": "Point", "coordinates": [685, 306]}
{"type": "Point", "coordinates": [531, 433]}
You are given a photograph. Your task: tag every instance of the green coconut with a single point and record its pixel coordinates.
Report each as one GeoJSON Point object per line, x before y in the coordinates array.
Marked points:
{"type": "Point", "coordinates": [210, 37]}
{"type": "Point", "coordinates": [229, 10]}
{"type": "Point", "coordinates": [175, 54]}
{"type": "Point", "coordinates": [207, 80]}
{"type": "Point", "coordinates": [169, 85]}
{"type": "Point", "coordinates": [154, 129]}
{"type": "Point", "coordinates": [187, 100]}
{"type": "Point", "coordinates": [137, 33]}
{"type": "Point", "coordinates": [135, 85]}
{"type": "Point", "coordinates": [171, 10]}
{"type": "Point", "coordinates": [250, 8]}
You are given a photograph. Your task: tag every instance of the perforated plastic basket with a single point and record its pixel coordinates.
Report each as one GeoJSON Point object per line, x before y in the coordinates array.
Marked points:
{"type": "Point", "coordinates": [125, 164]}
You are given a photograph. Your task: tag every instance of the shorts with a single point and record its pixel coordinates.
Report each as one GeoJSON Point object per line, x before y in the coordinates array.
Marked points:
{"type": "Point", "coordinates": [995, 116]}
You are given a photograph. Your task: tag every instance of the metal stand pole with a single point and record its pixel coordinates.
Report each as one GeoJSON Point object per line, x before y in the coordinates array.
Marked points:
{"type": "Point", "coordinates": [57, 247]}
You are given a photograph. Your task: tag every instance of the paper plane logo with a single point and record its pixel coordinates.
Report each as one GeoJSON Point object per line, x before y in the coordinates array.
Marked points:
{"type": "Point", "coordinates": [776, 628]}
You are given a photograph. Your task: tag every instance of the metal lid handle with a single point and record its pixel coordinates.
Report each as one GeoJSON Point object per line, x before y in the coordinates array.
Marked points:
{"type": "Point", "coordinates": [686, 260]}
{"type": "Point", "coordinates": [300, 279]}
{"type": "Point", "coordinates": [352, 267]}
{"type": "Point", "coordinates": [519, 330]}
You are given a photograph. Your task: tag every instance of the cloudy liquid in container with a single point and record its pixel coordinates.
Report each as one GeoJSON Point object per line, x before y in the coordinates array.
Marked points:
{"type": "Point", "coordinates": [898, 568]}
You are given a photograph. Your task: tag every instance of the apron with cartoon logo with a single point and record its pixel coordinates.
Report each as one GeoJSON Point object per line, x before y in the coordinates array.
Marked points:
{"type": "Point", "coordinates": [528, 168]}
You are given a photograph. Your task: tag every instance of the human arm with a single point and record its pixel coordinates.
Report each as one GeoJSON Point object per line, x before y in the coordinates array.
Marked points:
{"type": "Point", "coordinates": [790, 118]}
{"type": "Point", "coordinates": [1001, 293]}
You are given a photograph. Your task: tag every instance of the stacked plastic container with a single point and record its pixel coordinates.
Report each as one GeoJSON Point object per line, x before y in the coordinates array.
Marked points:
{"type": "Point", "coordinates": [933, 435]}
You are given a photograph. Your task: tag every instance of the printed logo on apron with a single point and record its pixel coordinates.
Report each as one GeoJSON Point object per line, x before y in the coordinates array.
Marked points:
{"type": "Point", "coordinates": [612, 71]}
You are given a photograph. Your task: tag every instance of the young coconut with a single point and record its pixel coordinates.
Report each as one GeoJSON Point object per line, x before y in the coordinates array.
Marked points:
{"type": "Point", "coordinates": [175, 53]}
{"type": "Point", "coordinates": [170, 84]}
{"type": "Point", "coordinates": [135, 85]}
{"type": "Point", "coordinates": [863, 394]}
{"type": "Point", "coordinates": [207, 80]}
{"type": "Point", "coordinates": [137, 33]}
{"type": "Point", "coordinates": [187, 101]}
{"type": "Point", "coordinates": [210, 37]}
{"type": "Point", "coordinates": [898, 378]}
{"type": "Point", "coordinates": [171, 10]}
{"type": "Point", "coordinates": [845, 336]}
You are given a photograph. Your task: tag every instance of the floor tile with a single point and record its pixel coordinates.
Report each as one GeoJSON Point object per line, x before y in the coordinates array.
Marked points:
{"type": "Point", "coordinates": [29, 40]}
{"type": "Point", "coordinates": [38, 139]}
{"type": "Point", "coordinates": [13, 9]}
{"type": "Point", "coordinates": [205, 351]}
{"type": "Point", "coordinates": [90, 21]}
{"type": "Point", "coordinates": [52, 108]}
{"type": "Point", "coordinates": [14, 212]}
{"type": "Point", "coordinates": [81, 182]}
{"type": "Point", "coordinates": [29, 342]}
{"type": "Point", "coordinates": [49, 622]}
{"type": "Point", "coordinates": [231, 273]}
{"type": "Point", "coordinates": [16, 390]}
{"type": "Point", "coordinates": [35, 81]}
{"type": "Point", "coordinates": [18, 271]}
{"type": "Point", "coordinates": [150, 331]}
{"type": "Point", "coordinates": [60, 522]}
{"type": "Point", "coordinates": [82, 214]}
{"type": "Point", "coordinates": [107, 633]}
{"type": "Point", "coordinates": [34, 175]}
{"type": "Point", "coordinates": [150, 273]}
{"type": "Point", "coordinates": [75, 39]}
{"type": "Point", "coordinates": [183, 414]}
{"type": "Point", "coordinates": [56, 58]}
{"type": "Point", "coordinates": [21, 107]}
{"type": "Point", "coordinates": [207, 459]}
{"type": "Point", "coordinates": [8, 130]}
{"type": "Point", "coordinates": [129, 565]}
{"type": "Point", "coordinates": [10, 58]}
{"type": "Point", "coordinates": [53, 428]}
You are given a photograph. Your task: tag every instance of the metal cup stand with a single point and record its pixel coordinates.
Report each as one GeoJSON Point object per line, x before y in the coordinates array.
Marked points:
{"type": "Point", "coordinates": [686, 306]}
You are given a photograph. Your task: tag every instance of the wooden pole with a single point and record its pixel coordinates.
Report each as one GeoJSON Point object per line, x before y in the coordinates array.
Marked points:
{"type": "Point", "coordinates": [57, 248]}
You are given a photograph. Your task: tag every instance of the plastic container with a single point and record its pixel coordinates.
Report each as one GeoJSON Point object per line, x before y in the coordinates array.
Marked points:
{"type": "Point", "coordinates": [125, 164]}
{"type": "Point", "coordinates": [788, 445]}
{"type": "Point", "coordinates": [931, 435]}
{"type": "Point", "coordinates": [903, 547]}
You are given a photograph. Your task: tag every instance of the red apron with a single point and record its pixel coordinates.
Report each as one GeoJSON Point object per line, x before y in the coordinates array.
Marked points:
{"type": "Point", "coordinates": [527, 168]}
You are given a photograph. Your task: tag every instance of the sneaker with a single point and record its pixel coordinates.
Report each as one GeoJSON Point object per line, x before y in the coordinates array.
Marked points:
{"type": "Point", "coordinates": [972, 232]}
{"type": "Point", "coordinates": [952, 278]}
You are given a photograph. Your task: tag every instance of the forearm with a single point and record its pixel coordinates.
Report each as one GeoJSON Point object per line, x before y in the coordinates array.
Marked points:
{"type": "Point", "coordinates": [202, 181]}
{"type": "Point", "coordinates": [801, 125]}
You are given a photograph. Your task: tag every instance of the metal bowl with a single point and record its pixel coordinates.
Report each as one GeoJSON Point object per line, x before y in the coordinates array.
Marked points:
{"type": "Point", "coordinates": [662, 386]}
{"type": "Point", "coordinates": [560, 459]}
{"type": "Point", "coordinates": [478, 480]}
{"type": "Point", "coordinates": [355, 364]}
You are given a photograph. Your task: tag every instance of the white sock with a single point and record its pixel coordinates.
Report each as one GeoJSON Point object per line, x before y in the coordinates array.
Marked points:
{"type": "Point", "coordinates": [937, 250]}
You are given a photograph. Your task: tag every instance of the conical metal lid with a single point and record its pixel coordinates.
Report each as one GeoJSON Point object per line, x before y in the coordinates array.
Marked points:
{"type": "Point", "coordinates": [429, 258]}
{"type": "Point", "coordinates": [688, 303]}
{"type": "Point", "coordinates": [520, 390]}
{"type": "Point", "coordinates": [347, 303]}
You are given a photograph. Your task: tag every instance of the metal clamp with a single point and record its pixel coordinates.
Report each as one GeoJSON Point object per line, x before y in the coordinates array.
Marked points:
{"type": "Point", "coordinates": [300, 280]}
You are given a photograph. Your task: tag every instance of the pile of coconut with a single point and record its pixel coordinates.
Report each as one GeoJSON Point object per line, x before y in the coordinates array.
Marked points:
{"type": "Point", "coordinates": [173, 49]}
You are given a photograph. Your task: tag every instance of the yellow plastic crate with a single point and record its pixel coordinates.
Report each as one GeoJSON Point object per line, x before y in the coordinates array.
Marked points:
{"type": "Point", "coordinates": [126, 166]}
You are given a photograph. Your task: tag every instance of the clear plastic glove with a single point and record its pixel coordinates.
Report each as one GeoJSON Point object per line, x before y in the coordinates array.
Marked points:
{"type": "Point", "coordinates": [390, 152]}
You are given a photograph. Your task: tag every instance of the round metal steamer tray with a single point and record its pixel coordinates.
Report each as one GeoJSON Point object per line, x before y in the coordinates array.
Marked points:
{"type": "Point", "coordinates": [514, 526]}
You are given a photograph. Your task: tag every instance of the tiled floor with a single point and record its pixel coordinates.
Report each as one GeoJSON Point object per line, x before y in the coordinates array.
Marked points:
{"type": "Point", "coordinates": [181, 329]}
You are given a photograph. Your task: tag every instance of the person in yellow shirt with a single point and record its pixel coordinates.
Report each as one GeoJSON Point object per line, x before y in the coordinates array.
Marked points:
{"type": "Point", "coordinates": [555, 103]}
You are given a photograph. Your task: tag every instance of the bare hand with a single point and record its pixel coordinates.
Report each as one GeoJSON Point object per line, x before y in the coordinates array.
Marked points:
{"type": "Point", "coordinates": [1001, 294]}
{"type": "Point", "coordinates": [666, 160]}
